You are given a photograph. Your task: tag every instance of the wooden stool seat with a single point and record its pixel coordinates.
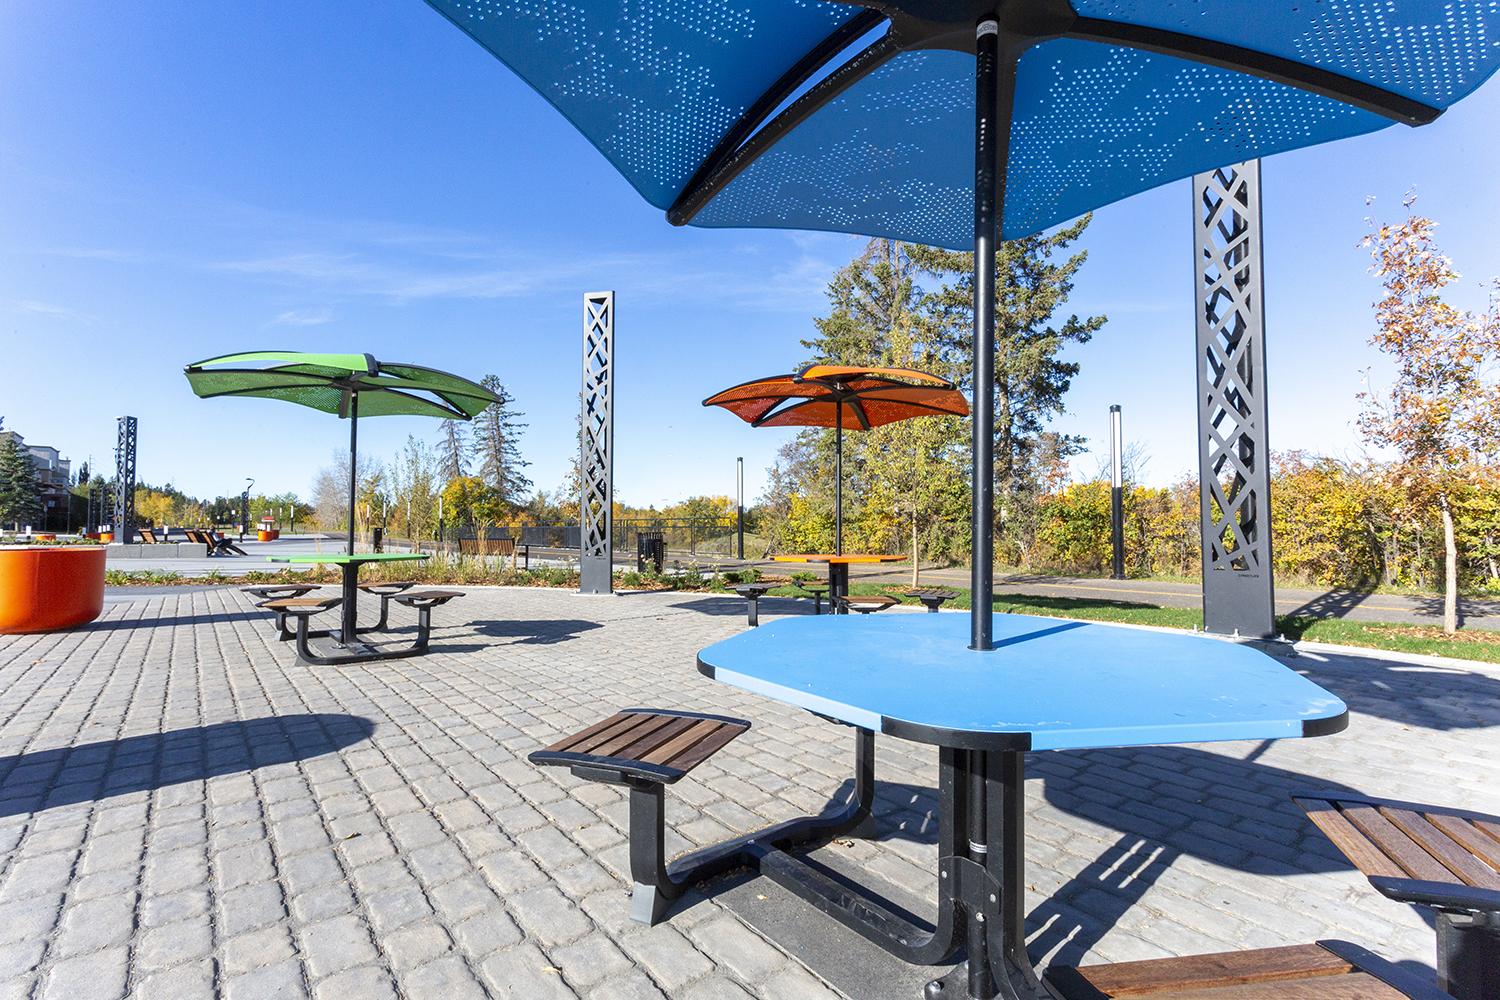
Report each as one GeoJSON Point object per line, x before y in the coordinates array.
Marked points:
{"type": "Point", "coordinates": [753, 592]}
{"type": "Point", "coordinates": [1328, 970]}
{"type": "Point", "coordinates": [931, 597]}
{"type": "Point", "coordinates": [1448, 859]}
{"type": "Point", "coordinates": [423, 599]}
{"type": "Point", "coordinates": [867, 604]}
{"type": "Point", "coordinates": [646, 750]}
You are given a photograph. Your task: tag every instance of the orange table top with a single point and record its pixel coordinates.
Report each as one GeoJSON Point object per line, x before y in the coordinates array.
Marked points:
{"type": "Point", "coordinates": [846, 558]}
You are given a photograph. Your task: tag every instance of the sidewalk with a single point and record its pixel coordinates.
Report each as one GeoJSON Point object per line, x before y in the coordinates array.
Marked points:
{"type": "Point", "coordinates": [184, 813]}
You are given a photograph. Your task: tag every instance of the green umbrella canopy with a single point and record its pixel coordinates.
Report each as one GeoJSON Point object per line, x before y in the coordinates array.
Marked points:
{"type": "Point", "coordinates": [351, 385]}
{"type": "Point", "coordinates": [327, 382]}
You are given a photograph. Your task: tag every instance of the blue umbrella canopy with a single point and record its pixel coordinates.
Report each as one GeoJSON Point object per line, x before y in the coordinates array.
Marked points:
{"type": "Point", "coordinates": [799, 114]}
{"type": "Point", "coordinates": [861, 117]}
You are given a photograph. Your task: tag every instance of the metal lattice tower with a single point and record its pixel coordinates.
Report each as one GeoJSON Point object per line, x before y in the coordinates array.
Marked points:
{"type": "Point", "coordinates": [596, 463]}
{"type": "Point", "coordinates": [1233, 450]}
{"type": "Point", "coordinates": [125, 481]}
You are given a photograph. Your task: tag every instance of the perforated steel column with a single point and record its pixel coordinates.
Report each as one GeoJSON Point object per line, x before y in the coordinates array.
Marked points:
{"type": "Point", "coordinates": [1233, 452]}
{"type": "Point", "coordinates": [596, 463]}
{"type": "Point", "coordinates": [125, 482]}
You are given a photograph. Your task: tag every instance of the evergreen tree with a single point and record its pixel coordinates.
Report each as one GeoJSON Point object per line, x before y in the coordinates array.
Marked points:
{"type": "Point", "coordinates": [1030, 376]}
{"type": "Point", "coordinates": [497, 433]}
{"type": "Point", "coordinates": [20, 490]}
{"type": "Point", "coordinates": [453, 452]}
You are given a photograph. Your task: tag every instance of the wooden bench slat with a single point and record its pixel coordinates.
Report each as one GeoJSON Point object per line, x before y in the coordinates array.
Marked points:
{"type": "Point", "coordinates": [642, 740]}
{"type": "Point", "coordinates": [622, 723]}
{"type": "Point", "coordinates": [1196, 972]}
{"type": "Point", "coordinates": [1347, 838]}
{"type": "Point", "coordinates": [1354, 986]}
{"type": "Point", "coordinates": [574, 738]}
{"type": "Point", "coordinates": [1467, 833]}
{"type": "Point", "coordinates": [1490, 828]}
{"type": "Point", "coordinates": [1397, 846]}
{"type": "Point", "coordinates": [617, 744]}
{"type": "Point", "coordinates": [302, 602]}
{"type": "Point", "coordinates": [707, 747]}
{"type": "Point", "coordinates": [1454, 856]}
{"type": "Point", "coordinates": [684, 738]}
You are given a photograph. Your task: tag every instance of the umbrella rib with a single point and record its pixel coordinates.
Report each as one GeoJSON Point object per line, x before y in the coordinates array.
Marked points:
{"type": "Point", "coordinates": [826, 50]}
{"type": "Point", "coordinates": [799, 404]}
{"type": "Point", "coordinates": [705, 186]}
{"type": "Point", "coordinates": [1313, 79]}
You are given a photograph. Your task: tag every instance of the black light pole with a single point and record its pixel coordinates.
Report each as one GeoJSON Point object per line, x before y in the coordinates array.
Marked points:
{"type": "Point", "coordinates": [986, 153]}
{"type": "Point", "coordinates": [245, 506]}
{"type": "Point", "coordinates": [353, 441]}
{"type": "Point", "coordinates": [739, 469]}
{"type": "Point", "coordinates": [1116, 496]}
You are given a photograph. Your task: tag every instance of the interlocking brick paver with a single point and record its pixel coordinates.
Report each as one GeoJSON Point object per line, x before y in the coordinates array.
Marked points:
{"type": "Point", "coordinates": [222, 820]}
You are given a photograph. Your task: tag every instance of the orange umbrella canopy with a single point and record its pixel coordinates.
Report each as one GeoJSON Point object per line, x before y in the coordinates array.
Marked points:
{"type": "Point", "coordinates": [832, 395]}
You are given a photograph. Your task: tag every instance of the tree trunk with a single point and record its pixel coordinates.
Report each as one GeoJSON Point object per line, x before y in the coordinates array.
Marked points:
{"type": "Point", "coordinates": [914, 552]}
{"type": "Point", "coordinates": [1450, 551]}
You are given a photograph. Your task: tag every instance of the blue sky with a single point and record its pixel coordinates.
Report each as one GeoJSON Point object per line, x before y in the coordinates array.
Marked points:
{"type": "Point", "coordinates": [180, 180]}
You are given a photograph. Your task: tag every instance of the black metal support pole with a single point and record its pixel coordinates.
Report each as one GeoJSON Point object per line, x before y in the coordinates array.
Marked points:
{"type": "Point", "coordinates": [353, 464]}
{"type": "Point", "coordinates": [1116, 495]}
{"type": "Point", "coordinates": [838, 480]}
{"type": "Point", "coordinates": [986, 152]}
{"type": "Point", "coordinates": [981, 974]}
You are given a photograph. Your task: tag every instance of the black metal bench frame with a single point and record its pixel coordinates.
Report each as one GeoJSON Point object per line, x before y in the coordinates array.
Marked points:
{"type": "Point", "coordinates": [657, 882]}
{"type": "Point", "coordinates": [753, 592]}
{"type": "Point", "coordinates": [422, 601]}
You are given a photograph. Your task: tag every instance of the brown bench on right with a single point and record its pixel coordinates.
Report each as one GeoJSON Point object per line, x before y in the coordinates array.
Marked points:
{"type": "Point", "coordinates": [1448, 859]}
{"type": "Point", "coordinates": [1328, 970]}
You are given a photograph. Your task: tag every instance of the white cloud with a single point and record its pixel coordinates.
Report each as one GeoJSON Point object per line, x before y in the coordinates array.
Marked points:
{"type": "Point", "coordinates": [305, 317]}
{"type": "Point", "coordinates": [58, 312]}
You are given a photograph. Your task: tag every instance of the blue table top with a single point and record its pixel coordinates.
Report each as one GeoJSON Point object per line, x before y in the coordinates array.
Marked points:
{"type": "Point", "coordinates": [1051, 684]}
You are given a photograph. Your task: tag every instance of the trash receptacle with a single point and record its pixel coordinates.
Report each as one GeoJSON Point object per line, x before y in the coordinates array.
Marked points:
{"type": "Point", "coordinates": [650, 547]}
{"type": "Point", "coordinates": [378, 540]}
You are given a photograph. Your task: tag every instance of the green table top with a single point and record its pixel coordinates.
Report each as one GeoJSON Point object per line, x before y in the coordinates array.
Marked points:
{"type": "Point", "coordinates": [341, 558]}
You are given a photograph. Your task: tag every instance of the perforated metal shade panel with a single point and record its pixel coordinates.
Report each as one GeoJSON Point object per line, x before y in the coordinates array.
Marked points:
{"type": "Point", "coordinates": [878, 138]}
{"type": "Point", "coordinates": [1434, 51]}
{"type": "Point", "coordinates": [653, 84]}
{"type": "Point", "coordinates": [1094, 123]}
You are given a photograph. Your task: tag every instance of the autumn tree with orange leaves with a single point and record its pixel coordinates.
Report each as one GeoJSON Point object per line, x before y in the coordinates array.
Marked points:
{"type": "Point", "coordinates": [1441, 415]}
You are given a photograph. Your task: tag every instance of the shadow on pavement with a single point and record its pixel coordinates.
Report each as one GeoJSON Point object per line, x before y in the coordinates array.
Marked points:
{"type": "Point", "coordinates": [1334, 604]}
{"type": "Point", "coordinates": [733, 605]}
{"type": "Point", "coordinates": [212, 618]}
{"type": "Point", "coordinates": [1443, 698]}
{"type": "Point", "coordinates": [46, 779]}
{"type": "Point", "coordinates": [542, 632]}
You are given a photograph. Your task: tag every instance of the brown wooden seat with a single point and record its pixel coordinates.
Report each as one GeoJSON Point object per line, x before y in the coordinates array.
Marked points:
{"type": "Point", "coordinates": [1328, 970]}
{"type": "Point", "coordinates": [148, 536]}
{"type": "Point", "coordinates": [646, 750]}
{"type": "Point", "coordinates": [1448, 859]}
{"type": "Point", "coordinates": [818, 592]}
{"type": "Point", "coordinates": [932, 598]}
{"type": "Point", "coordinates": [753, 592]}
{"type": "Point", "coordinates": [867, 603]}
{"type": "Point", "coordinates": [487, 546]}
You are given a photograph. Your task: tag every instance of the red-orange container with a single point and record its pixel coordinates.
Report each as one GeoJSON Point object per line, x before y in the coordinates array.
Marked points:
{"type": "Point", "coordinates": [46, 587]}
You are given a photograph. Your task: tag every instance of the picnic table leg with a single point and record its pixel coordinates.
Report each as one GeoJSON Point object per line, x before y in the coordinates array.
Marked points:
{"type": "Point", "coordinates": [1468, 955]}
{"type": "Point", "coordinates": [838, 586]}
{"type": "Point", "coordinates": [349, 613]}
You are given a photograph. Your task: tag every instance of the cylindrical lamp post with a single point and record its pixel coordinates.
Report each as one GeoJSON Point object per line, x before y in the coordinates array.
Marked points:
{"type": "Point", "coordinates": [739, 464]}
{"type": "Point", "coordinates": [1116, 495]}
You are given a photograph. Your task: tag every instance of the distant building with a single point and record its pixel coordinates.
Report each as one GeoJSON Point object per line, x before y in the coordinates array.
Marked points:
{"type": "Point", "coordinates": [54, 472]}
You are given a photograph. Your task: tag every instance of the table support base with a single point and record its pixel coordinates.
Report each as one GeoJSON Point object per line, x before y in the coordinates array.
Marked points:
{"type": "Point", "coordinates": [307, 657]}
{"type": "Point", "coordinates": [981, 871]}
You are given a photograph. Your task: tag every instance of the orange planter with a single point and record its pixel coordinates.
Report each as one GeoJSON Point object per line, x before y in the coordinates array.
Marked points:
{"type": "Point", "coordinates": [106, 536]}
{"type": "Point", "coordinates": [264, 535]}
{"type": "Point", "coordinates": [50, 587]}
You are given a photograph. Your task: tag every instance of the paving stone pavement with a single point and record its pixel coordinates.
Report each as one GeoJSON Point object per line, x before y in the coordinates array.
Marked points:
{"type": "Point", "coordinates": [185, 813]}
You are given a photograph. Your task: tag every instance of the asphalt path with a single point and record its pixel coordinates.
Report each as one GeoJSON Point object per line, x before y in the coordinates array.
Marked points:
{"type": "Point", "coordinates": [1351, 604]}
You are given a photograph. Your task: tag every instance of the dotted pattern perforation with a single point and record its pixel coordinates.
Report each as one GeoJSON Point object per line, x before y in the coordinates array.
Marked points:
{"type": "Point", "coordinates": [1096, 123]}
{"type": "Point", "coordinates": [892, 156]}
{"type": "Point", "coordinates": [653, 84]}
{"type": "Point", "coordinates": [1093, 123]}
{"type": "Point", "coordinates": [1434, 51]}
